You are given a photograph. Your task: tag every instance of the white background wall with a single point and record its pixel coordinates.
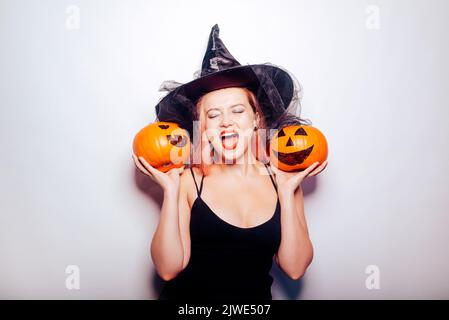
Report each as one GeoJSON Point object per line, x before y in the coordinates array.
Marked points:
{"type": "Point", "coordinates": [71, 101]}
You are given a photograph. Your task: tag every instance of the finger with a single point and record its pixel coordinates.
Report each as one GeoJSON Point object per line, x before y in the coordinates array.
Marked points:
{"type": "Point", "coordinates": [141, 167]}
{"type": "Point", "coordinates": [310, 168]}
{"type": "Point", "coordinates": [148, 166]}
{"type": "Point", "coordinates": [324, 164]}
{"type": "Point", "coordinates": [206, 152]}
{"type": "Point", "coordinates": [319, 169]}
{"type": "Point", "coordinates": [151, 171]}
{"type": "Point", "coordinates": [176, 171]}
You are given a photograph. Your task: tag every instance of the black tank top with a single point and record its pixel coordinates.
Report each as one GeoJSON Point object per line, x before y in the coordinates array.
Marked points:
{"type": "Point", "coordinates": [226, 261]}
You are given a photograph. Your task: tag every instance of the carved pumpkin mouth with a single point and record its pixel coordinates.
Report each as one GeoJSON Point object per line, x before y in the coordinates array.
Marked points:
{"type": "Point", "coordinates": [293, 158]}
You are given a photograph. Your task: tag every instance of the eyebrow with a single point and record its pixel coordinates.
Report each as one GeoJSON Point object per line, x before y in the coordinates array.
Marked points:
{"type": "Point", "coordinates": [234, 105]}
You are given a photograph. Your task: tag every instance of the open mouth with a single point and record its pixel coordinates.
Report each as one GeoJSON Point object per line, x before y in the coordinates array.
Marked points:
{"type": "Point", "coordinates": [293, 158]}
{"type": "Point", "coordinates": [229, 140]}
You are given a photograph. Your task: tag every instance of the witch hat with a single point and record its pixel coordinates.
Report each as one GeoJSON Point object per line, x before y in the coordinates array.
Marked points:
{"type": "Point", "coordinates": [275, 88]}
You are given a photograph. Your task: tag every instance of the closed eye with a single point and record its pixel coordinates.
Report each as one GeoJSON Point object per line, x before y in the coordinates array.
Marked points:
{"type": "Point", "coordinates": [211, 116]}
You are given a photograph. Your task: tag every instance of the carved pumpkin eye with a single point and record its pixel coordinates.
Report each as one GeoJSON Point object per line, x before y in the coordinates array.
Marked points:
{"type": "Point", "coordinates": [177, 140]}
{"type": "Point", "coordinates": [164, 145]}
{"type": "Point", "coordinates": [281, 133]}
{"type": "Point", "coordinates": [300, 132]}
{"type": "Point", "coordinates": [297, 147]}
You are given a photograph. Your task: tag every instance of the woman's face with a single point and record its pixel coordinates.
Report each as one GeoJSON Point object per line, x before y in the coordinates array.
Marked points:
{"type": "Point", "coordinates": [228, 120]}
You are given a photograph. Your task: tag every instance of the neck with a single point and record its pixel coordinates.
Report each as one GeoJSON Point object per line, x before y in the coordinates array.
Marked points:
{"type": "Point", "coordinates": [245, 165]}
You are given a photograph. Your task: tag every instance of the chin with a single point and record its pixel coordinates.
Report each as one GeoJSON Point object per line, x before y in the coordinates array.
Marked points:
{"type": "Point", "coordinates": [232, 157]}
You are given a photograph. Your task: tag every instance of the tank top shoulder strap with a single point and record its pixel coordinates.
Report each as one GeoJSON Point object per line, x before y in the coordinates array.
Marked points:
{"type": "Point", "coordinates": [271, 176]}
{"type": "Point", "coordinates": [198, 190]}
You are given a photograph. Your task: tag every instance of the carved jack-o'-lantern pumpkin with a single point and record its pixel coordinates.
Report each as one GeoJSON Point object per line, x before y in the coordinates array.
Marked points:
{"type": "Point", "coordinates": [294, 148]}
{"type": "Point", "coordinates": [164, 145]}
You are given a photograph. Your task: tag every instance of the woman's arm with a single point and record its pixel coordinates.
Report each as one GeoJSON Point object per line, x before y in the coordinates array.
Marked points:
{"type": "Point", "coordinates": [170, 246]}
{"type": "Point", "coordinates": [166, 246]}
{"type": "Point", "coordinates": [295, 251]}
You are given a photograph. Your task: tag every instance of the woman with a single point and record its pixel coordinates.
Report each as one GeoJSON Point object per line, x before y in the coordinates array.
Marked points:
{"type": "Point", "coordinates": [221, 222]}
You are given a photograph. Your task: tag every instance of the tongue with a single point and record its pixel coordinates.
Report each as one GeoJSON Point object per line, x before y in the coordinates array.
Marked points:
{"type": "Point", "coordinates": [230, 143]}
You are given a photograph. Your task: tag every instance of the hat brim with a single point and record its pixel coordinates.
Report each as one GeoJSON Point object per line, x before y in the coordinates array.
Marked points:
{"type": "Point", "coordinates": [272, 85]}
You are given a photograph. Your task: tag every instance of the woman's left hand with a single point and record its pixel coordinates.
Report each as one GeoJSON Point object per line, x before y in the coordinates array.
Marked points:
{"type": "Point", "coordinates": [287, 182]}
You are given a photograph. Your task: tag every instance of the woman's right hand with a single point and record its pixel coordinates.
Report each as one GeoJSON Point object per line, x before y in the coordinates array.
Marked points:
{"type": "Point", "coordinates": [169, 181]}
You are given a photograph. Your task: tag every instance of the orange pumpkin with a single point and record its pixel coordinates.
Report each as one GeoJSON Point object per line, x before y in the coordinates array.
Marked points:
{"type": "Point", "coordinates": [164, 145]}
{"type": "Point", "coordinates": [294, 148]}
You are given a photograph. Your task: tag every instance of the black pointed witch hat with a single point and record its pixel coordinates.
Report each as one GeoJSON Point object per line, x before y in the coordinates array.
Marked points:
{"type": "Point", "coordinates": [275, 88]}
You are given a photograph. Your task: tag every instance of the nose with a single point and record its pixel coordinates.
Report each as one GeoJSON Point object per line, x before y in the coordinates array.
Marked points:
{"type": "Point", "coordinates": [226, 120]}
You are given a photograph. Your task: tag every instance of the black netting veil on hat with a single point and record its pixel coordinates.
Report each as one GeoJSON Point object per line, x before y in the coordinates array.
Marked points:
{"type": "Point", "coordinates": [277, 91]}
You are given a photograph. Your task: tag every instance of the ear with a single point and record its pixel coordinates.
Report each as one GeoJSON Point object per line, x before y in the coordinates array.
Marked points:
{"type": "Point", "coordinates": [257, 120]}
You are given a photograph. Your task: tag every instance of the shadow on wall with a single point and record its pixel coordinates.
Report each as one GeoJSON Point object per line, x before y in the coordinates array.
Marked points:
{"type": "Point", "coordinates": [291, 288]}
